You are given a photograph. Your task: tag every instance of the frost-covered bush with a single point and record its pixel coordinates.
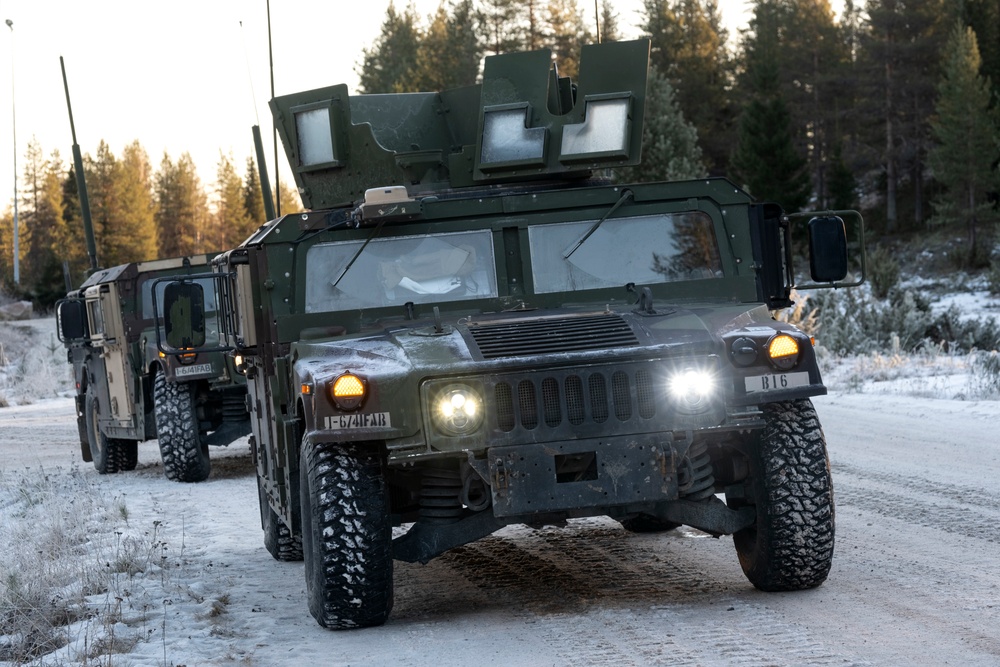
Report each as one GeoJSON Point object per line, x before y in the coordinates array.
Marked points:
{"type": "Point", "coordinates": [68, 555]}
{"type": "Point", "coordinates": [32, 364]}
{"type": "Point", "coordinates": [883, 272]}
{"type": "Point", "coordinates": [855, 322]}
{"type": "Point", "coordinates": [985, 378]}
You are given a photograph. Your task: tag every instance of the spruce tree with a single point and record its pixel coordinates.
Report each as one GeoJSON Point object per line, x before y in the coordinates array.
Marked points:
{"type": "Point", "coordinates": [567, 33]}
{"type": "Point", "coordinates": [450, 50]}
{"type": "Point", "coordinates": [230, 223]}
{"type": "Point", "coordinates": [253, 195]}
{"type": "Point", "coordinates": [137, 207]}
{"type": "Point", "coordinates": [390, 65]}
{"type": "Point", "coordinates": [41, 271]}
{"type": "Point", "coordinates": [610, 31]}
{"type": "Point", "coordinates": [670, 149]}
{"type": "Point", "coordinates": [504, 25]}
{"type": "Point", "coordinates": [967, 148]}
{"type": "Point", "coordinates": [182, 209]}
{"type": "Point", "coordinates": [765, 161]}
{"type": "Point", "coordinates": [688, 46]}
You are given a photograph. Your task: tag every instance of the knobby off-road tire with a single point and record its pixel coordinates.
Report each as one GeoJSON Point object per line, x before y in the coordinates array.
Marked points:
{"type": "Point", "coordinates": [790, 547]}
{"type": "Point", "coordinates": [278, 539]}
{"type": "Point", "coordinates": [109, 455]}
{"type": "Point", "coordinates": [346, 536]}
{"type": "Point", "coordinates": [185, 458]}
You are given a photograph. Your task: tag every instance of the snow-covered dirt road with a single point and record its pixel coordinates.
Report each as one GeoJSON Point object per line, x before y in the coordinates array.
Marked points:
{"type": "Point", "coordinates": [915, 581]}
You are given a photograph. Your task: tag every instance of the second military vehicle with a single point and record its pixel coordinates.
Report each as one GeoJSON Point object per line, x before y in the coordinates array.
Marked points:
{"type": "Point", "coordinates": [128, 391]}
{"type": "Point", "coordinates": [474, 326]}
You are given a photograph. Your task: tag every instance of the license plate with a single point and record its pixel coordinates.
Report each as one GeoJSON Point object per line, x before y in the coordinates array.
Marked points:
{"type": "Point", "coordinates": [361, 420]}
{"type": "Point", "coordinates": [776, 382]}
{"type": "Point", "coordinates": [197, 369]}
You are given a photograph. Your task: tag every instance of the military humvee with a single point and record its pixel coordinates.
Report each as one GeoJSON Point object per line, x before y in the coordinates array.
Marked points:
{"type": "Point", "coordinates": [474, 326]}
{"type": "Point", "coordinates": [129, 392]}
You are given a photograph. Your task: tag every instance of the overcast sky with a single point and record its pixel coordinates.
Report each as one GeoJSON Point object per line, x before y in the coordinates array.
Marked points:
{"type": "Point", "coordinates": [177, 75]}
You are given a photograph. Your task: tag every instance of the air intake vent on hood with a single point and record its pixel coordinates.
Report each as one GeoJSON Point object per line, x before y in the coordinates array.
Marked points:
{"type": "Point", "coordinates": [552, 335]}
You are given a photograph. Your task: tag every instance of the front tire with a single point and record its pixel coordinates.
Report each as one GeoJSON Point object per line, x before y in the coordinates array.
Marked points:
{"type": "Point", "coordinates": [109, 455]}
{"type": "Point", "coordinates": [346, 536]}
{"type": "Point", "coordinates": [185, 458]}
{"type": "Point", "coordinates": [790, 547]}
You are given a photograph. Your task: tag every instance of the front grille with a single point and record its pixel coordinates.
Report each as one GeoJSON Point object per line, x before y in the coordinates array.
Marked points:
{"type": "Point", "coordinates": [552, 335]}
{"type": "Point", "coordinates": [574, 398]}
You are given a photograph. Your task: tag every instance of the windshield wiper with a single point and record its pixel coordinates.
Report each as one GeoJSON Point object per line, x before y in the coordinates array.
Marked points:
{"type": "Point", "coordinates": [364, 245]}
{"type": "Point", "coordinates": [627, 194]}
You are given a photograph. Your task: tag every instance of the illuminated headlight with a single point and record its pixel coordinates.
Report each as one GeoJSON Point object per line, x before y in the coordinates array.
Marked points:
{"type": "Point", "coordinates": [783, 351]}
{"type": "Point", "coordinates": [240, 364]}
{"type": "Point", "coordinates": [692, 388]}
{"type": "Point", "coordinates": [457, 409]}
{"type": "Point", "coordinates": [348, 391]}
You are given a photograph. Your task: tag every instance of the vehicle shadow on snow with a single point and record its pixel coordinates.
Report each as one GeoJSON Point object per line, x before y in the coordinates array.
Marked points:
{"type": "Point", "coordinates": [587, 566]}
{"type": "Point", "coordinates": [231, 463]}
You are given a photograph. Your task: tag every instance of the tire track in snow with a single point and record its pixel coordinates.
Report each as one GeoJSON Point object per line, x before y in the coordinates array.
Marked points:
{"type": "Point", "coordinates": [644, 603]}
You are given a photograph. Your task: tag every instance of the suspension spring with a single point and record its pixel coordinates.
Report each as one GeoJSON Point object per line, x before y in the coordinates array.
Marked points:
{"type": "Point", "coordinates": [440, 496]}
{"type": "Point", "coordinates": [696, 478]}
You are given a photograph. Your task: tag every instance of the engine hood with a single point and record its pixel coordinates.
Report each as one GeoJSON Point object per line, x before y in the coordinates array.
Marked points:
{"type": "Point", "coordinates": [527, 338]}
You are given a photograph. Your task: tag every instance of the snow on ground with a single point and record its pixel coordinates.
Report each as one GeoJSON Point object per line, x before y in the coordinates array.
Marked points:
{"type": "Point", "coordinates": [135, 570]}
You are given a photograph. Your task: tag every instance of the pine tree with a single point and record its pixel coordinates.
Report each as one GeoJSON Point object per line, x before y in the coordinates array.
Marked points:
{"type": "Point", "coordinates": [41, 271]}
{"type": "Point", "coordinates": [76, 251]}
{"type": "Point", "coordinates": [230, 224]}
{"type": "Point", "coordinates": [610, 31]}
{"type": "Point", "coordinates": [842, 186]}
{"type": "Point", "coordinates": [450, 50]}
{"type": "Point", "coordinates": [670, 149]}
{"type": "Point", "coordinates": [182, 209]}
{"type": "Point", "coordinates": [765, 160]}
{"type": "Point", "coordinates": [567, 35]}
{"type": "Point", "coordinates": [983, 16]}
{"type": "Point", "coordinates": [899, 68]}
{"type": "Point", "coordinates": [814, 62]}
{"type": "Point", "coordinates": [253, 195]}
{"type": "Point", "coordinates": [688, 46]}
{"type": "Point", "coordinates": [390, 65]}
{"type": "Point", "coordinates": [967, 133]}
{"type": "Point", "coordinates": [137, 224]}
{"type": "Point", "coordinates": [31, 195]}
{"type": "Point", "coordinates": [504, 25]}
{"type": "Point", "coordinates": [290, 201]}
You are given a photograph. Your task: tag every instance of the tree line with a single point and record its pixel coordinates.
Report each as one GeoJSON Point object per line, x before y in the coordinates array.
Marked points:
{"type": "Point", "coordinates": [138, 213]}
{"type": "Point", "coordinates": [890, 107]}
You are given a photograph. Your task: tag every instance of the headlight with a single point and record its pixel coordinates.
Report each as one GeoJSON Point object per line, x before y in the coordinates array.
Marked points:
{"type": "Point", "coordinates": [348, 391]}
{"type": "Point", "coordinates": [692, 388]}
{"type": "Point", "coordinates": [457, 409]}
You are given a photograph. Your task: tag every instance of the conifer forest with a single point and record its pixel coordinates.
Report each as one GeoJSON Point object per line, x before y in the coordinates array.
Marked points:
{"type": "Point", "coordinates": [889, 107]}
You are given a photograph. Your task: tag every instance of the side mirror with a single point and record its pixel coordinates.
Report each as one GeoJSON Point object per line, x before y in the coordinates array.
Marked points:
{"type": "Point", "coordinates": [184, 315]}
{"type": "Point", "coordinates": [72, 317]}
{"type": "Point", "coordinates": [827, 249]}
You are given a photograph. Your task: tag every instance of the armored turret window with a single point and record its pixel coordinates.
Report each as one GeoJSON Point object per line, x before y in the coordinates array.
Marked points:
{"type": "Point", "coordinates": [603, 133]}
{"type": "Point", "coordinates": [645, 250]}
{"type": "Point", "coordinates": [315, 136]}
{"type": "Point", "coordinates": [507, 139]}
